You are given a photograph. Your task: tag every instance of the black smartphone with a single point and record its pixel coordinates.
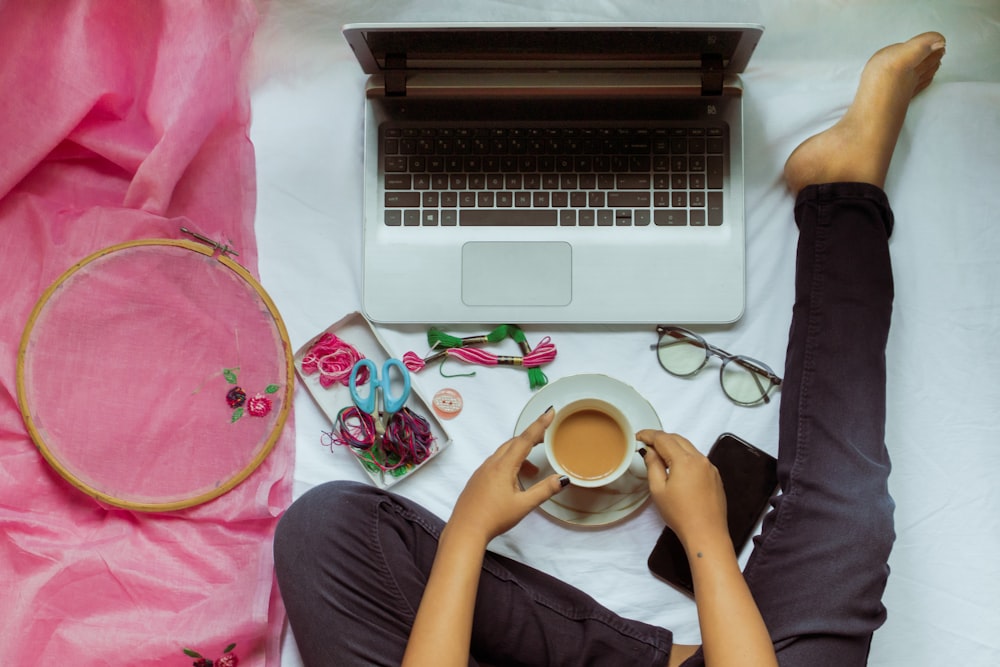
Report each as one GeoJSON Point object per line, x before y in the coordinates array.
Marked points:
{"type": "Point", "coordinates": [749, 478]}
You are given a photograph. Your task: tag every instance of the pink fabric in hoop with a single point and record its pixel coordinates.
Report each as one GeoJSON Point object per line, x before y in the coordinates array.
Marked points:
{"type": "Point", "coordinates": [126, 367]}
{"type": "Point", "coordinates": [129, 123]}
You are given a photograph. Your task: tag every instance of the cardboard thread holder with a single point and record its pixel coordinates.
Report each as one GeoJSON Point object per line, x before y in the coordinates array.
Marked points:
{"type": "Point", "coordinates": [355, 330]}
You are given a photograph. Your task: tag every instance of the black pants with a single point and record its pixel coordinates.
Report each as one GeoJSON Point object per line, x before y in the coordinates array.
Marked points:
{"type": "Point", "coordinates": [353, 561]}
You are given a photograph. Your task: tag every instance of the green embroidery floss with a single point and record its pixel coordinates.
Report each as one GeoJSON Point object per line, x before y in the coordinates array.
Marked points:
{"type": "Point", "coordinates": [439, 339]}
{"type": "Point", "coordinates": [536, 378]}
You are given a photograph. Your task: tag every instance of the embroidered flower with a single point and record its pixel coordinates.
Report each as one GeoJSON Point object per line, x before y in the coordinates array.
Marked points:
{"type": "Point", "coordinates": [236, 397]}
{"type": "Point", "coordinates": [228, 658]}
{"type": "Point", "coordinates": [259, 406]}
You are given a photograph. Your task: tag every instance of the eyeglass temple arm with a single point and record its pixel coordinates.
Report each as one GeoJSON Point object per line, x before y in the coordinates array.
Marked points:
{"type": "Point", "coordinates": [677, 337]}
{"type": "Point", "coordinates": [756, 380]}
{"type": "Point", "coordinates": [757, 370]}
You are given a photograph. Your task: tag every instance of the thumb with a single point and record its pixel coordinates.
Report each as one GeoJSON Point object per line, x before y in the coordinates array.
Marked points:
{"type": "Point", "coordinates": [544, 489]}
{"type": "Point", "coordinates": [656, 469]}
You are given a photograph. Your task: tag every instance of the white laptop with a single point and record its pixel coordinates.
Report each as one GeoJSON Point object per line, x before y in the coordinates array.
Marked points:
{"type": "Point", "coordinates": [586, 173]}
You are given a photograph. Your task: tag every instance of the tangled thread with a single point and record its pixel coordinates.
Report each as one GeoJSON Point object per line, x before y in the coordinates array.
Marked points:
{"type": "Point", "coordinates": [407, 441]}
{"type": "Point", "coordinates": [333, 359]}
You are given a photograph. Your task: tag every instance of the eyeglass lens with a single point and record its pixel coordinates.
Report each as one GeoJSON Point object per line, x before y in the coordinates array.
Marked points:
{"type": "Point", "coordinates": [743, 384]}
{"type": "Point", "coordinates": [680, 354]}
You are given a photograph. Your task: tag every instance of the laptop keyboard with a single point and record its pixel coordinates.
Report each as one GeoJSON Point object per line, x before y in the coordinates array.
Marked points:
{"type": "Point", "coordinates": [553, 176]}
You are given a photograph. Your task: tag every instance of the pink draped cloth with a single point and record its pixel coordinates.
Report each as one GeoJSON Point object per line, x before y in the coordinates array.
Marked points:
{"type": "Point", "coordinates": [123, 120]}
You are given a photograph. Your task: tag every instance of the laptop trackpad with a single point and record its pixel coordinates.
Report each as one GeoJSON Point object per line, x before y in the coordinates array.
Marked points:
{"type": "Point", "coordinates": [517, 274]}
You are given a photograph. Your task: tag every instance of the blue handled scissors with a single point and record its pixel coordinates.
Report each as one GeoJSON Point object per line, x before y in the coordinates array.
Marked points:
{"type": "Point", "coordinates": [380, 386]}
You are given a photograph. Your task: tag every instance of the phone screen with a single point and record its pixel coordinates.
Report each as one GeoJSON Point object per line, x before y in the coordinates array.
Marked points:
{"type": "Point", "coordinates": [749, 478]}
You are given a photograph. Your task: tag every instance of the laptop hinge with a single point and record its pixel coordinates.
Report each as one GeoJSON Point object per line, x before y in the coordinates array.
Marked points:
{"type": "Point", "coordinates": [395, 74]}
{"type": "Point", "coordinates": [712, 74]}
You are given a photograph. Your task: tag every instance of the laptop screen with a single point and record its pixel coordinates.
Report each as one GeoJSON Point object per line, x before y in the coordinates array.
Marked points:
{"type": "Point", "coordinates": [584, 47]}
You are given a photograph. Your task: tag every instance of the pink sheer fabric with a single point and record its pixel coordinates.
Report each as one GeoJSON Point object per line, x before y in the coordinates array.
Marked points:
{"type": "Point", "coordinates": [124, 121]}
{"type": "Point", "coordinates": [154, 376]}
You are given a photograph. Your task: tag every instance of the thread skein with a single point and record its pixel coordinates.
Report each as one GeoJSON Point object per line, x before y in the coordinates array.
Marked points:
{"type": "Point", "coordinates": [438, 339]}
{"type": "Point", "coordinates": [536, 378]}
{"type": "Point", "coordinates": [543, 354]}
{"type": "Point", "coordinates": [443, 344]}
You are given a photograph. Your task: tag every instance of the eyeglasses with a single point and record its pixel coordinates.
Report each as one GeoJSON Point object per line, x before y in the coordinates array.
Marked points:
{"type": "Point", "coordinates": [683, 353]}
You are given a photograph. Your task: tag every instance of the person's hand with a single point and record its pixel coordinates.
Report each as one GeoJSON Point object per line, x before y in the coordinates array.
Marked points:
{"type": "Point", "coordinates": [492, 502]}
{"type": "Point", "coordinates": [684, 484]}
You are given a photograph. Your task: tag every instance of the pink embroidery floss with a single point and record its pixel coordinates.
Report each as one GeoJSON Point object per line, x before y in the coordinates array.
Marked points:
{"type": "Point", "coordinates": [414, 363]}
{"type": "Point", "coordinates": [333, 359]}
{"type": "Point", "coordinates": [543, 354]}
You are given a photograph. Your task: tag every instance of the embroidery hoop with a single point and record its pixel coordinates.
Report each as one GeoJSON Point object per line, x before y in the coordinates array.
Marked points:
{"type": "Point", "coordinates": [269, 328]}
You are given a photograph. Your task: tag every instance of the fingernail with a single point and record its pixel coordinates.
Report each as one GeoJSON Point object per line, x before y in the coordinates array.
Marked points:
{"type": "Point", "coordinates": [548, 409]}
{"type": "Point", "coordinates": [564, 481]}
{"type": "Point", "coordinates": [937, 46]}
{"type": "Point", "coordinates": [642, 452]}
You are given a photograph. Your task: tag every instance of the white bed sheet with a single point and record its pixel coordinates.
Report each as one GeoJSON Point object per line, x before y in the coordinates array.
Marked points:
{"type": "Point", "coordinates": [944, 397]}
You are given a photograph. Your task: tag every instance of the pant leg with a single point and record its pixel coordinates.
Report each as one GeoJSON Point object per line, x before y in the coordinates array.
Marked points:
{"type": "Point", "coordinates": [819, 568]}
{"type": "Point", "coordinates": [352, 563]}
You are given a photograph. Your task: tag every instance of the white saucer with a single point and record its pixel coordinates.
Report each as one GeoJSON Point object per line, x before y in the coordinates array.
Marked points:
{"type": "Point", "coordinates": [604, 505]}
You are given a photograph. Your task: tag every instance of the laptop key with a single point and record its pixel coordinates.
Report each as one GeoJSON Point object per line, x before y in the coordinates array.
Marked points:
{"type": "Point", "coordinates": [715, 208]}
{"type": "Point", "coordinates": [632, 182]}
{"type": "Point", "coordinates": [509, 218]}
{"type": "Point", "coordinates": [402, 199]}
{"type": "Point", "coordinates": [395, 164]}
{"type": "Point", "coordinates": [630, 199]}
{"type": "Point", "coordinates": [669, 217]}
{"type": "Point", "coordinates": [398, 181]}
{"type": "Point", "coordinates": [714, 172]}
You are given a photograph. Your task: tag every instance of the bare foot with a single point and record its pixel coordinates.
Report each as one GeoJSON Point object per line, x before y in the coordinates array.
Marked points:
{"type": "Point", "coordinates": [859, 147]}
